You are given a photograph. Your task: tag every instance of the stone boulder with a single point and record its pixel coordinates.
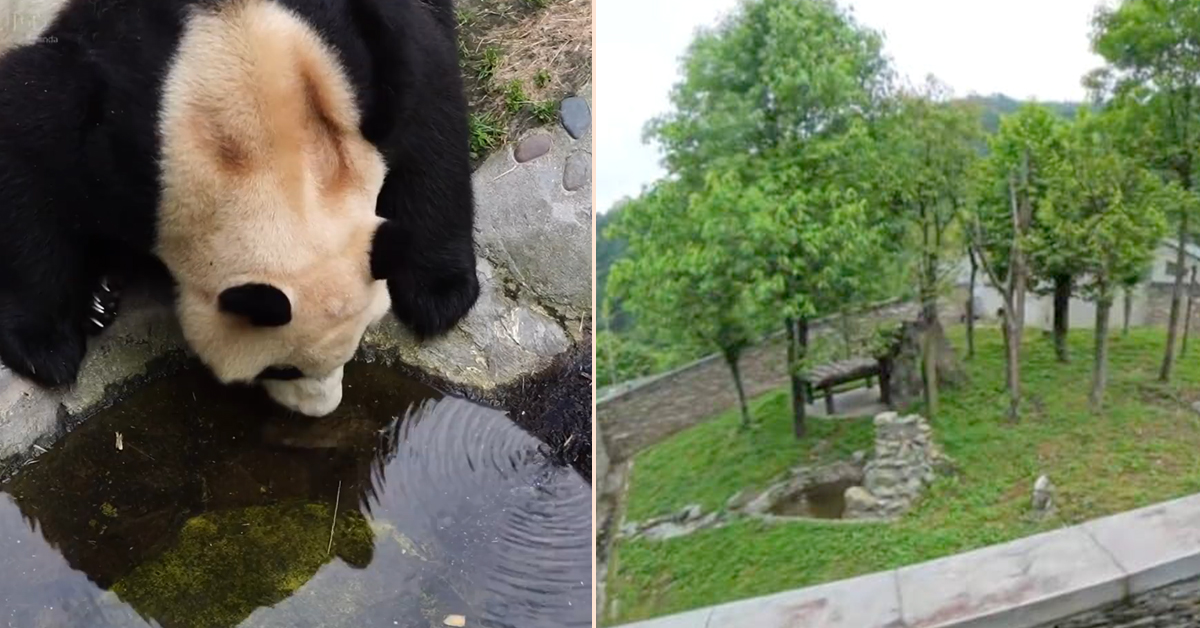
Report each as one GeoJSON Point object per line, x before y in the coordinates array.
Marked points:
{"type": "Point", "coordinates": [1043, 497]}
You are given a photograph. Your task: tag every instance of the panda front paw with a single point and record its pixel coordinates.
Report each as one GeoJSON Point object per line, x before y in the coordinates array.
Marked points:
{"type": "Point", "coordinates": [432, 308]}
{"type": "Point", "coordinates": [102, 310]}
{"type": "Point", "coordinates": [45, 351]}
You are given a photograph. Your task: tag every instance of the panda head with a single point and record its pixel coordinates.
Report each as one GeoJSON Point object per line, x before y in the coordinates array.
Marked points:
{"type": "Point", "coordinates": [267, 212]}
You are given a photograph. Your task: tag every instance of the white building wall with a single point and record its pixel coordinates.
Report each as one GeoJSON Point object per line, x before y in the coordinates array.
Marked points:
{"type": "Point", "coordinates": [1039, 310]}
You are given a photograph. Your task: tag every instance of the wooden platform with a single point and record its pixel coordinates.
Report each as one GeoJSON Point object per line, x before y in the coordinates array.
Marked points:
{"type": "Point", "coordinates": [826, 376]}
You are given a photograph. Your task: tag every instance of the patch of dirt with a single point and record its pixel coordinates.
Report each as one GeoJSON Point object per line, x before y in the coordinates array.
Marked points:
{"type": "Point", "coordinates": [519, 59]}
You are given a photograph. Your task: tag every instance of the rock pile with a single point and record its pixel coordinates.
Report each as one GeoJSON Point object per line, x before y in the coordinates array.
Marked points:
{"type": "Point", "coordinates": [906, 461]}
{"type": "Point", "coordinates": [802, 480]}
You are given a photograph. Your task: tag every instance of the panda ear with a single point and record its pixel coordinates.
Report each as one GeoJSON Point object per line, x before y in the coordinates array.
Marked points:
{"type": "Point", "coordinates": [386, 250]}
{"type": "Point", "coordinates": [262, 304]}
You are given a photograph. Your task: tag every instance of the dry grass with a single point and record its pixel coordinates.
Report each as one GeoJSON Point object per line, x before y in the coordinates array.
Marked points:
{"type": "Point", "coordinates": [520, 58]}
{"type": "Point", "coordinates": [548, 52]}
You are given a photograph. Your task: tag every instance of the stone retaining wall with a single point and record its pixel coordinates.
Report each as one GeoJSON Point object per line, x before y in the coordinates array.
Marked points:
{"type": "Point", "coordinates": [646, 414]}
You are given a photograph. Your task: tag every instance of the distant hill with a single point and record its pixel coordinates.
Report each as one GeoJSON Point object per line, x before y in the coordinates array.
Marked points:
{"type": "Point", "coordinates": [997, 105]}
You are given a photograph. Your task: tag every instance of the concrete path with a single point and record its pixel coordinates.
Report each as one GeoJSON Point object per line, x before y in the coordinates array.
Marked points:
{"type": "Point", "coordinates": [1021, 584]}
{"type": "Point", "coordinates": [857, 403]}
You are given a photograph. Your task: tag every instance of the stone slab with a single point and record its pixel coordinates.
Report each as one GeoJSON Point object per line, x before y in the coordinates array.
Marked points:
{"type": "Point", "coordinates": [868, 601]}
{"type": "Point", "coordinates": [1020, 584]}
{"type": "Point", "coordinates": [1157, 545]}
{"type": "Point", "coordinates": [538, 231]}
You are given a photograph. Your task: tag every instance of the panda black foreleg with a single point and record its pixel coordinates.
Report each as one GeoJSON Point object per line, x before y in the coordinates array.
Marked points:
{"type": "Point", "coordinates": [42, 308]}
{"type": "Point", "coordinates": [430, 292]}
{"type": "Point", "coordinates": [425, 250]}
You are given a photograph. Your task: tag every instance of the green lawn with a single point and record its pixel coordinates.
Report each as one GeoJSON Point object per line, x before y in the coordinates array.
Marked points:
{"type": "Point", "coordinates": [1142, 449]}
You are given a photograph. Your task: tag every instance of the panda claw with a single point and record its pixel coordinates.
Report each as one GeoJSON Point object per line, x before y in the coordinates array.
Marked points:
{"type": "Point", "coordinates": [103, 310]}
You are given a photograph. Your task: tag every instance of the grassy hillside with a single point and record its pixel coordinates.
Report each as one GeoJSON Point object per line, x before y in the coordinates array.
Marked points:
{"type": "Point", "coordinates": [1141, 450]}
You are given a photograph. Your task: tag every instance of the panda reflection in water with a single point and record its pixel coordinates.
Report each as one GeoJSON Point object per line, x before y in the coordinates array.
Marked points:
{"type": "Point", "coordinates": [298, 166]}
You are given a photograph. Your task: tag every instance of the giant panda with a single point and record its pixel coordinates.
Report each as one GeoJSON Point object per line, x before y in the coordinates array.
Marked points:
{"type": "Point", "coordinates": [298, 167]}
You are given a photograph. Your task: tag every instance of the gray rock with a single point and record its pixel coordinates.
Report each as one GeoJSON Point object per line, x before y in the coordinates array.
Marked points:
{"type": "Point", "coordinates": [664, 531]}
{"type": "Point", "coordinates": [859, 502]}
{"type": "Point", "coordinates": [739, 500]}
{"type": "Point", "coordinates": [576, 116]}
{"type": "Point", "coordinates": [532, 147]}
{"type": "Point", "coordinates": [539, 233]}
{"type": "Point", "coordinates": [499, 341]}
{"type": "Point", "coordinates": [578, 171]}
{"type": "Point", "coordinates": [690, 512]}
{"type": "Point", "coordinates": [764, 501]}
{"type": "Point", "coordinates": [1043, 496]}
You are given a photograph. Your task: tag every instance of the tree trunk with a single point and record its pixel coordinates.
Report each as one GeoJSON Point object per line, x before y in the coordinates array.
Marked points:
{"type": "Point", "coordinates": [1004, 332]}
{"type": "Point", "coordinates": [1062, 305]}
{"type": "Point", "coordinates": [1187, 317]}
{"type": "Point", "coordinates": [1128, 294]}
{"type": "Point", "coordinates": [1100, 363]}
{"type": "Point", "coordinates": [1168, 363]}
{"type": "Point", "coordinates": [971, 307]}
{"type": "Point", "coordinates": [928, 314]}
{"type": "Point", "coordinates": [731, 359]}
{"type": "Point", "coordinates": [1012, 363]}
{"type": "Point", "coordinates": [1021, 214]}
{"type": "Point", "coordinates": [797, 337]}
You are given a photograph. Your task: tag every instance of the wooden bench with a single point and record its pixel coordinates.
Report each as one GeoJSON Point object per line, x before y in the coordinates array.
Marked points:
{"type": "Point", "coordinates": [826, 376]}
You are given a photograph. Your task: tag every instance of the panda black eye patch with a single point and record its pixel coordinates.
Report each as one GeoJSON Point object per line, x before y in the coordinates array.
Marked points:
{"type": "Point", "coordinates": [261, 304]}
{"type": "Point", "coordinates": [285, 373]}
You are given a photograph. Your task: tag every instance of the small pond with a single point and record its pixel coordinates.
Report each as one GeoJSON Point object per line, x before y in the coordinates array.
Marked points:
{"type": "Point", "coordinates": [193, 505]}
{"type": "Point", "coordinates": [824, 500]}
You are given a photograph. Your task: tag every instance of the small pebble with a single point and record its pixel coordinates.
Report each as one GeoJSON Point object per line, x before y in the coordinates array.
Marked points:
{"type": "Point", "coordinates": [455, 620]}
{"type": "Point", "coordinates": [576, 116]}
{"type": "Point", "coordinates": [532, 147]}
{"type": "Point", "coordinates": [578, 171]}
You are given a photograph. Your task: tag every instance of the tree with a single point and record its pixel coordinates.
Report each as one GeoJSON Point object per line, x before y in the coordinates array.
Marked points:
{"type": "Point", "coordinates": [1007, 187]}
{"type": "Point", "coordinates": [608, 251]}
{"type": "Point", "coordinates": [821, 250]}
{"type": "Point", "coordinates": [1031, 137]}
{"type": "Point", "coordinates": [778, 94]}
{"type": "Point", "coordinates": [931, 144]}
{"type": "Point", "coordinates": [1107, 207]}
{"type": "Point", "coordinates": [1152, 50]}
{"type": "Point", "coordinates": [684, 271]}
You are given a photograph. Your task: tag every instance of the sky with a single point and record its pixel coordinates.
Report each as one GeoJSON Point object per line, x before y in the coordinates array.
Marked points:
{"type": "Point", "coordinates": [1022, 48]}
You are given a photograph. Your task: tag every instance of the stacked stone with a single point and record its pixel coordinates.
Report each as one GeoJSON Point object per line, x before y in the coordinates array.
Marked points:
{"type": "Point", "coordinates": [905, 463]}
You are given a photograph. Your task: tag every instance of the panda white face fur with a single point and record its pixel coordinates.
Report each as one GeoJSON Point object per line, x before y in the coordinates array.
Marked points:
{"type": "Point", "coordinates": [268, 204]}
